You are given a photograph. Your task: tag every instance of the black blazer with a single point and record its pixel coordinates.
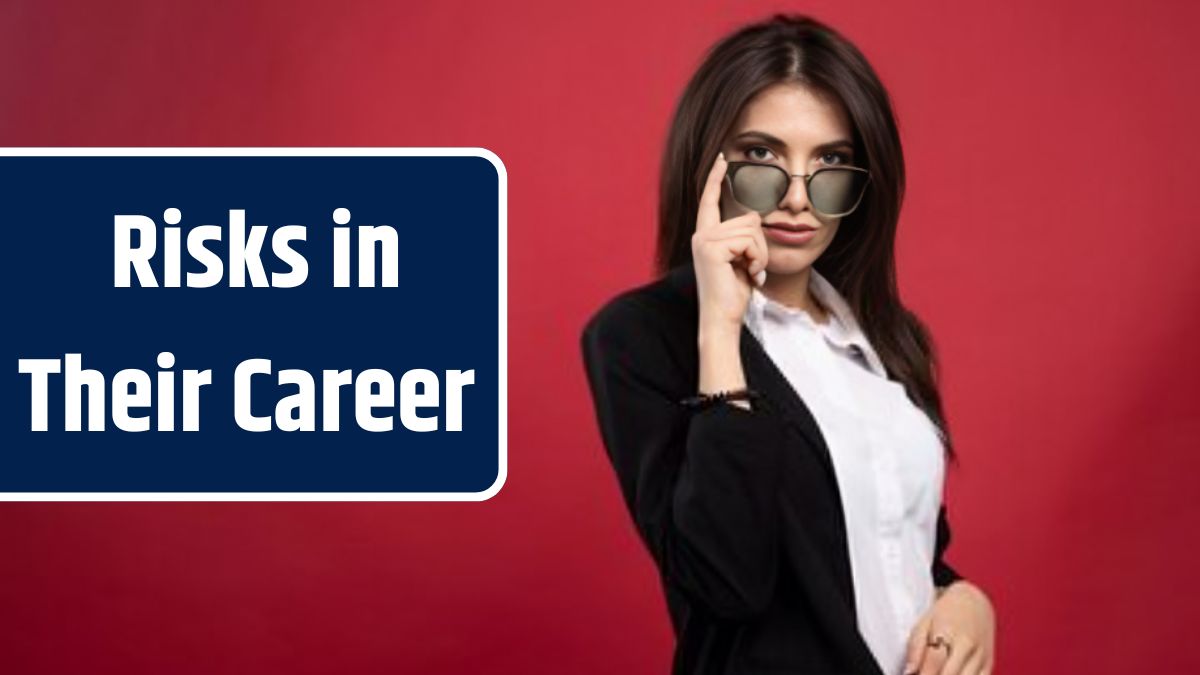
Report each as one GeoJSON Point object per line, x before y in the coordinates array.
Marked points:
{"type": "Point", "coordinates": [740, 509]}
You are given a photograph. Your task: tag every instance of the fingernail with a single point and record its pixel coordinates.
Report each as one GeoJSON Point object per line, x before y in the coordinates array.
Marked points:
{"type": "Point", "coordinates": [721, 155]}
{"type": "Point", "coordinates": [761, 277]}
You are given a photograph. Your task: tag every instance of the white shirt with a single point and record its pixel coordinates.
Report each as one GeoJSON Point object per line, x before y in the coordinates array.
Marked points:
{"type": "Point", "coordinates": [887, 456]}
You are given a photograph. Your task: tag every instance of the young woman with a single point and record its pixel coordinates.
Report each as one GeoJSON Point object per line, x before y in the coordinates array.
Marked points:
{"type": "Point", "coordinates": [768, 404]}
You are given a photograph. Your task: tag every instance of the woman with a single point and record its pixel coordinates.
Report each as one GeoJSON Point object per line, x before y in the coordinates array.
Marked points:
{"type": "Point", "coordinates": [768, 404]}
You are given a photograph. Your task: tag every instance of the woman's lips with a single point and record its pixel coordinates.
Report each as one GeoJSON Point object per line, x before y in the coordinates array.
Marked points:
{"type": "Point", "coordinates": [788, 234]}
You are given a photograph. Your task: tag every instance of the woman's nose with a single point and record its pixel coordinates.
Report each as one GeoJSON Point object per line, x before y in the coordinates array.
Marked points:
{"type": "Point", "coordinates": [796, 197]}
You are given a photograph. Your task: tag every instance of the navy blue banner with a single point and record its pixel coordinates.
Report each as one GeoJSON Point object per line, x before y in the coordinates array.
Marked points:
{"type": "Point", "coordinates": [241, 324]}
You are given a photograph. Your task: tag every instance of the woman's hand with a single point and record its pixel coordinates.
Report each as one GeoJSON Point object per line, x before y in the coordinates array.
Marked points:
{"type": "Point", "coordinates": [722, 279]}
{"type": "Point", "coordinates": [963, 615]}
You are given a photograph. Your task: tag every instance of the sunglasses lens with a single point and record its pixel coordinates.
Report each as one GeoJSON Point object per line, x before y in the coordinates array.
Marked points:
{"type": "Point", "coordinates": [833, 191]}
{"type": "Point", "coordinates": [759, 188]}
{"type": "Point", "coordinates": [837, 191]}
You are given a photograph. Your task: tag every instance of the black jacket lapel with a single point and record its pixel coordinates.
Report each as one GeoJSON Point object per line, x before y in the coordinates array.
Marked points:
{"type": "Point", "coordinates": [831, 591]}
{"type": "Point", "coordinates": [762, 374]}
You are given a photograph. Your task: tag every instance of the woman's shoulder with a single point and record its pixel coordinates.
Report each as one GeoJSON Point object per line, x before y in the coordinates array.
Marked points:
{"type": "Point", "coordinates": [667, 303]}
{"type": "Point", "coordinates": [650, 329]}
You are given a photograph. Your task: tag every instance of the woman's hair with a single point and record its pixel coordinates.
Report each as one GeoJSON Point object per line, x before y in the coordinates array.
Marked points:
{"type": "Point", "coordinates": [860, 261]}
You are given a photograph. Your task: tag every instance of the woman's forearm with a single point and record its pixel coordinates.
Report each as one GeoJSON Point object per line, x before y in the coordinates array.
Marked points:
{"type": "Point", "coordinates": [721, 361]}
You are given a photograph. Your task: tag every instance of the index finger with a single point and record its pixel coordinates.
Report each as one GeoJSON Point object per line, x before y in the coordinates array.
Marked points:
{"type": "Point", "coordinates": [916, 645]}
{"type": "Point", "coordinates": [710, 199]}
{"type": "Point", "coordinates": [933, 660]}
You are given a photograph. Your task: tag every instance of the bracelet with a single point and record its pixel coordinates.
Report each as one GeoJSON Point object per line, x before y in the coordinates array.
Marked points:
{"type": "Point", "coordinates": [701, 401]}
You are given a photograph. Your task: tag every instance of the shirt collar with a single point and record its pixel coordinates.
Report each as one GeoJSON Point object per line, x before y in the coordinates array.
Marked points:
{"type": "Point", "coordinates": [841, 330]}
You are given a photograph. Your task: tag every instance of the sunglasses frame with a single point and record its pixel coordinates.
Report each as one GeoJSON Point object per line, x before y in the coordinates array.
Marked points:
{"type": "Point", "coordinates": [733, 168]}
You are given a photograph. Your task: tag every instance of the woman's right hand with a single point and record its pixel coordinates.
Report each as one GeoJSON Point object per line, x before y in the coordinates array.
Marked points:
{"type": "Point", "coordinates": [728, 256]}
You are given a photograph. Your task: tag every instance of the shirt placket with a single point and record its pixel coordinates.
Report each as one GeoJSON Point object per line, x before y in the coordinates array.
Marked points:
{"type": "Point", "coordinates": [890, 514]}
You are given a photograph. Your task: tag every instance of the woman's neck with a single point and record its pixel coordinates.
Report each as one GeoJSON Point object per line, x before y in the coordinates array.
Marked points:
{"type": "Point", "coordinates": [792, 291]}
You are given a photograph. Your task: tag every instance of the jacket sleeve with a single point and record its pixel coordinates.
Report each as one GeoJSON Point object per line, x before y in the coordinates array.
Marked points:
{"type": "Point", "coordinates": [943, 573]}
{"type": "Point", "coordinates": [701, 486]}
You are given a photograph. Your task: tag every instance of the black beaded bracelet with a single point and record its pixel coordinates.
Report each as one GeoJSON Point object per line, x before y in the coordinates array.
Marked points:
{"type": "Point", "coordinates": [701, 401]}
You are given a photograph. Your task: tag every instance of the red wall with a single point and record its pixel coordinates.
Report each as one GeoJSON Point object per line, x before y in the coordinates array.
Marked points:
{"type": "Point", "coordinates": [1049, 239]}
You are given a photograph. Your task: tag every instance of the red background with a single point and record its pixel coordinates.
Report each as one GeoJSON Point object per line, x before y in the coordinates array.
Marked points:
{"type": "Point", "coordinates": [1049, 239]}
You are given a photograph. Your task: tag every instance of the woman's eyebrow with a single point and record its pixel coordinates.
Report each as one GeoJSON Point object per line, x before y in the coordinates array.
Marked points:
{"type": "Point", "coordinates": [776, 141]}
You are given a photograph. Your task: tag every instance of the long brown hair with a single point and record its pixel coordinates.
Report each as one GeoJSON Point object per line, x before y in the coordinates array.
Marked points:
{"type": "Point", "coordinates": [860, 261]}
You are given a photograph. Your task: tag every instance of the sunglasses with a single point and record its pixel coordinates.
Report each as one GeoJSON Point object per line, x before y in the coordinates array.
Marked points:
{"type": "Point", "coordinates": [833, 191]}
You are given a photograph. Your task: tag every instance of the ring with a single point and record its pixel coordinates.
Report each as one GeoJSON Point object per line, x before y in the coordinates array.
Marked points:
{"type": "Point", "coordinates": [940, 641]}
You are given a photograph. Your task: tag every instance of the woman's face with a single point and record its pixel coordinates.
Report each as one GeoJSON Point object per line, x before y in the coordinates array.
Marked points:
{"type": "Point", "coordinates": [786, 124]}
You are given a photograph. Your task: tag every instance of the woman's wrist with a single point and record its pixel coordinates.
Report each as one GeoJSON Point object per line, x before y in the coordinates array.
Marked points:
{"type": "Point", "coordinates": [719, 331]}
{"type": "Point", "coordinates": [941, 590]}
{"type": "Point", "coordinates": [721, 361]}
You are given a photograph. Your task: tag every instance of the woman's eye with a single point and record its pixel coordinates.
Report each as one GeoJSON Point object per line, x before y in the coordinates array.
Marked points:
{"type": "Point", "coordinates": [839, 158]}
{"type": "Point", "coordinates": [751, 150]}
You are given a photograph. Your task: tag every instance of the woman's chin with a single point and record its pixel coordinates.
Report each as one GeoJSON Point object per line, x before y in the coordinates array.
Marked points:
{"type": "Point", "coordinates": [785, 263]}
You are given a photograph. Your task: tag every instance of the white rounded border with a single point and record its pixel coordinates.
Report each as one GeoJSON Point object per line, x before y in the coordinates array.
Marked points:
{"type": "Point", "coordinates": [502, 394]}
